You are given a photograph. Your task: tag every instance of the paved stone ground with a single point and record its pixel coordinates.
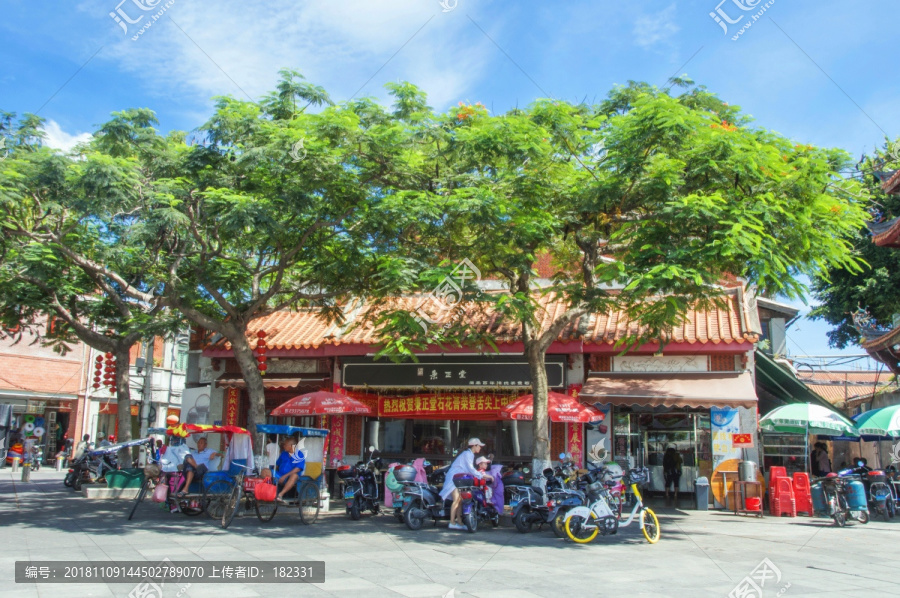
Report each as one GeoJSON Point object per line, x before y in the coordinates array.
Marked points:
{"type": "Point", "coordinates": [700, 553]}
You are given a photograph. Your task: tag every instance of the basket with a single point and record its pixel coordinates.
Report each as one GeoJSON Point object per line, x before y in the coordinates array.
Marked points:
{"type": "Point", "coordinates": [152, 471]}
{"type": "Point", "coordinates": [265, 492]}
{"type": "Point", "coordinates": [405, 473]}
{"type": "Point", "coordinates": [463, 480]}
{"type": "Point", "coordinates": [347, 471]}
{"type": "Point", "coordinates": [638, 476]}
{"type": "Point", "coordinates": [753, 503]}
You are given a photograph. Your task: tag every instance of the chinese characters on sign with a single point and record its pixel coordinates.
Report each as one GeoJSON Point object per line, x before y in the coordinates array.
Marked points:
{"type": "Point", "coordinates": [742, 440]}
{"type": "Point", "coordinates": [444, 405]}
{"type": "Point", "coordinates": [230, 412]}
{"type": "Point", "coordinates": [449, 373]}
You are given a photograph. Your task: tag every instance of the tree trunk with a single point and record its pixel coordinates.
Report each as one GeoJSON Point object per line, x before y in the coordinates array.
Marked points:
{"type": "Point", "coordinates": [541, 422]}
{"type": "Point", "coordinates": [246, 359]}
{"type": "Point", "coordinates": [123, 400]}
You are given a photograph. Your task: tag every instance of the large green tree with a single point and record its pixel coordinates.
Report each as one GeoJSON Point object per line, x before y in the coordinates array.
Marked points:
{"type": "Point", "coordinates": [876, 287]}
{"type": "Point", "coordinates": [645, 203]}
{"type": "Point", "coordinates": [70, 253]}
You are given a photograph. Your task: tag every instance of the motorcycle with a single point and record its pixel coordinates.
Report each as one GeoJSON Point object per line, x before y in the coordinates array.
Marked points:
{"type": "Point", "coordinates": [405, 487]}
{"type": "Point", "coordinates": [881, 495]}
{"type": "Point", "coordinates": [845, 497]}
{"type": "Point", "coordinates": [422, 501]}
{"type": "Point", "coordinates": [361, 490]}
{"type": "Point", "coordinates": [477, 499]}
{"type": "Point", "coordinates": [85, 469]}
{"type": "Point", "coordinates": [37, 457]}
{"type": "Point", "coordinates": [530, 507]}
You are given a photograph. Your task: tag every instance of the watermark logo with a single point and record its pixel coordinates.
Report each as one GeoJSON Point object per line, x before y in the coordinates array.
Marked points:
{"type": "Point", "coordinates": [895, 454]}
{"type": "Point", "coordinates": [446, 295]}
{"type": "Point", "coordinates": [724, 18]}
{"type": "Point", "coordinates": [752, 585]}
{"type": "Point", "coordinates": [448, 5]}
{"type": "Point", "coordinates": [3, 150]}
{"type": "Point", "coordinates": [298, 152]}
{"type": "Point", "coordinates": [133, 15]}
{"type": "Point", "coordinates": [150, 589]}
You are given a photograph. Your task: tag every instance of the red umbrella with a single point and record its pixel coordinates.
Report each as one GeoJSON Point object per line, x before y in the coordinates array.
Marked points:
{"type": "Point", "coordinates": [561, 408]}
{"type": "Point", "coordinates": [321, 403]}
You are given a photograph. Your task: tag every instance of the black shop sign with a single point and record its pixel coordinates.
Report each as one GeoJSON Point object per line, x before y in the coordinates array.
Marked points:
{"type": "Point", "coordinates": [449, 372]}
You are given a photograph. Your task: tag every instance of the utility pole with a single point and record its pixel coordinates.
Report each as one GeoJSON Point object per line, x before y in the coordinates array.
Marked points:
{"type": "Point", "coordinates": [147, 392]}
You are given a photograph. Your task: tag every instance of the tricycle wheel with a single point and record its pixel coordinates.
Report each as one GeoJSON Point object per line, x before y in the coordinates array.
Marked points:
{"type": "Point", "coordinates": [234, 503]}
{"type": "Point", "coordinates": [310, 502]}
{"type": "Point", "coordinates": [215, 497]}
{"type": "Point", "coordinates": [191, 506]}
{"type": "Point", "coordinates": [141, 493]}
{"type": "Point", "coordinates": [265, 510]}
{"type": "Point", "coordinates": [353, 511]}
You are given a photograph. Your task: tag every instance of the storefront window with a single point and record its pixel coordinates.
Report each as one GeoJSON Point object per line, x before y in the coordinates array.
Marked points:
{"type": "Point", "coordinates": [484, 431]}
{"type": "Point", "coordinates": [431, 437]}
{"type": "Point", "coordinates": [387, 435]}
{"type": "Point", "coordinates": [517, 438]}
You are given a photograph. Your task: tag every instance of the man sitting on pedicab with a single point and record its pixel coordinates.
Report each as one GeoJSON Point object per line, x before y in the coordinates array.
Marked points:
{"type": "Point", "coordinates": [196, 464]}
{"type": "Point", "coordinates": [289, 466]}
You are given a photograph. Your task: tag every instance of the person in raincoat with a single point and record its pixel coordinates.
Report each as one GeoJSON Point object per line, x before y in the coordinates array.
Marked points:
{"type": "Point", "coordinates": [464, 463]}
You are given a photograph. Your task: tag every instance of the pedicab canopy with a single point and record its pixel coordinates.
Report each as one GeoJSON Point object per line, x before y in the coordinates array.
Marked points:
{"type": "Point", "coordinates": [562, 408]}
{"type": "Point", "coordinates": [238, 454]}
{"type": "Point", "coordinates": [311, 443]}
{"type": "Point", "coordinates": [185, 430]}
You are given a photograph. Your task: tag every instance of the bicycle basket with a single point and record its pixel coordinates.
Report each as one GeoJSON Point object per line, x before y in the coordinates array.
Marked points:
{"type": "Point", "coordinates": [638, 476]}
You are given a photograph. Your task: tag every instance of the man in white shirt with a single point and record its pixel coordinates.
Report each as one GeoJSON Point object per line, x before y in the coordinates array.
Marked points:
{"type": "Point", "coordinates": [464, 463]}
{"type": "Point", "coordinates": [195, 464]}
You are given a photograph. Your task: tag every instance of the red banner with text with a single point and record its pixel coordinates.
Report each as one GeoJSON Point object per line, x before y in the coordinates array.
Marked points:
{"type": "Point", "coordinates": [230, 409]}
{"type": "Point", "coordinates": [449, 405]}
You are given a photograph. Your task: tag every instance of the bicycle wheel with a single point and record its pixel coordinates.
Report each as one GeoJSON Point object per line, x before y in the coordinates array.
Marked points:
{"type": "Point", "coordinates": [310, 502]}
{"type": "Point", "coordinates": [577, 532]}
{"type": "Point", "coordinates": [265, 510]}
{"type": "Point", "coordinates": [140, 497]}
{"type": "Point", "coordinates": [650, 526]}
{"type": "Point", "coordinates": [215, 497]}
{"type": "Point", "coordinates": [234, 503]}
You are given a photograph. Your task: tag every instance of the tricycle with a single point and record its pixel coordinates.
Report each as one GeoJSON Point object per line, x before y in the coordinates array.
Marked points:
{"type": "Point", "coordinates": [306, 494]}
{"type": "Point", "coordinates": [164, 480]}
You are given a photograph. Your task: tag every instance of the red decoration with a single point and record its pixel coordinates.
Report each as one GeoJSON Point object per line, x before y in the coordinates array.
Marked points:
{"type": "Point", "coordinates": [109, 356]}
{"type": "Point", "coordinates": [99, 358]}
{"type": "Point", "coordinates": [261, 334]}
{"type": "Point", "coordinates": [261, 352]}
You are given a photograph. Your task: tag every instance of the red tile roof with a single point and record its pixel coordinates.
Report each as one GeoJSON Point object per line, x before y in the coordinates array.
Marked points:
{"type": "Point", "coordinates": [304, 329]}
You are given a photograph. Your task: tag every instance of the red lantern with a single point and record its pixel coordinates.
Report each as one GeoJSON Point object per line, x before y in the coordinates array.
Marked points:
{"type": "Point", "coordinates": [261, 349]}
{"type": "Point", "coordinates": [99, 358]}
{"type": "Point", "coordinates": [262, 368]}
{"type": "Point", "coordinates": [261, 334]}
{"type": "Point", "coordinates": [109, 355]}
{"type": "Point", "coordinates": [261, 359]}
{"type": "Point", "coordinates": [96, 385]}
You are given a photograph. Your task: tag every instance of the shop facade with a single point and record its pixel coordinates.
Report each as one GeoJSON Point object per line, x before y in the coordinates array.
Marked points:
{"type": "Point", "coordinates": [696, 394]}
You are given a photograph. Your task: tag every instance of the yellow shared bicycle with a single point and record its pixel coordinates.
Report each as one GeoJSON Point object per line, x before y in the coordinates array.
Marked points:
{"type": "Point", "coordinates": [584, 523]}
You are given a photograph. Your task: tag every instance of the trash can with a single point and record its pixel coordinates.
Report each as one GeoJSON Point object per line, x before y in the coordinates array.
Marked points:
{"type": "Point", "coordinates": [125, 478]}
{"type": "Point", "coordinates": [701, 493]}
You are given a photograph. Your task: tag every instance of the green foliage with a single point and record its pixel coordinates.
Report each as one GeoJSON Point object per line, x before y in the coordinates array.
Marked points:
{"type": "Point", "coordinates": [875, 287]}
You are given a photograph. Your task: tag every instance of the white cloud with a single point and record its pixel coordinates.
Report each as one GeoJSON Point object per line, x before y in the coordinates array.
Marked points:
{"type": "Point", "coordinates": [337, 45]}
{"type": "Point", "coordinates": [59, 139]}
{"type": "Point", "coordinates": [651, 30]}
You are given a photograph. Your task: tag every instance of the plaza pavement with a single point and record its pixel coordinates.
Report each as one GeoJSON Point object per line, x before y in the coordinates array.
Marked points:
{"type": "Point", "coordinates": [700, 553]}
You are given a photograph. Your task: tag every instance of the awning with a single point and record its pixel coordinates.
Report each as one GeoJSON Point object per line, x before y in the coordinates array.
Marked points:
{"type": "Point", "coordinates": [676, 389]}
{"type": "Point", "coordinates": [782, 385]}
{"type": "Point", "coordinates": [268, 382]}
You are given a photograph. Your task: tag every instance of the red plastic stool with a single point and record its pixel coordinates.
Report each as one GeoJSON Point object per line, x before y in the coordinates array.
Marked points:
{"type": "Point", "coordinates": [802, 493]}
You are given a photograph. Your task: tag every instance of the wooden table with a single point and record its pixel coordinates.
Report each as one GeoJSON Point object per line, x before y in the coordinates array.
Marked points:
{"type": "Point", "coordinates": [740, 497]}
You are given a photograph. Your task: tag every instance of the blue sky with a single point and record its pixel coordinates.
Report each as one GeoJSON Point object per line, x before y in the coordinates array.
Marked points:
{"type": "Point", "coordinates": [820, 72]}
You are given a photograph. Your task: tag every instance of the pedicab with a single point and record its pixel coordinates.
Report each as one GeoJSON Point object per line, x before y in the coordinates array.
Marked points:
{"type": "Point", "coordinates": [164, 480]}
{"type": "Point", "coordinates": [258, 493]}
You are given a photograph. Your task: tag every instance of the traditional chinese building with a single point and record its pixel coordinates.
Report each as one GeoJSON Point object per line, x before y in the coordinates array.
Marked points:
{"type": "Point", "coordinates": [429, 408]}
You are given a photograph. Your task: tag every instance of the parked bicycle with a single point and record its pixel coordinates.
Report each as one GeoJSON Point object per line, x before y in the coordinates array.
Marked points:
{"type": "Point", "coordinates": [583, 524]}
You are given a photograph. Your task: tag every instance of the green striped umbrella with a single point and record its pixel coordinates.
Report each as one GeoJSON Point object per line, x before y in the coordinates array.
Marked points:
{"type": "Point", "coordinates": [880, 422]}
{"type": "Point", "coordinates": [806, 418]}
